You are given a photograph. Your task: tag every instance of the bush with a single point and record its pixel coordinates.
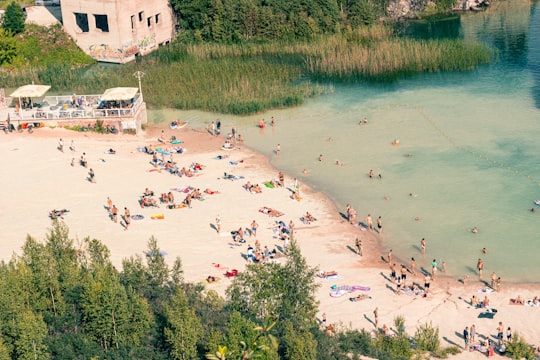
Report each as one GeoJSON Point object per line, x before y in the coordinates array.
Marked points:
{"type": "Point", "coordinates": [519, 349]}
{"type": "Point", "coordinates": [427, 338]}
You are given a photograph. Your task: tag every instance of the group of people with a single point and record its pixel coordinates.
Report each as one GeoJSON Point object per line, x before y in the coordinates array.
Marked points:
{"type": "Point", "coordinates": [113, 213]}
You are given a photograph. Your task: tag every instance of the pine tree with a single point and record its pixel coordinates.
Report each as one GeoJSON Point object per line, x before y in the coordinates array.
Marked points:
{"type": "Point", "coordinates": [13, 20]}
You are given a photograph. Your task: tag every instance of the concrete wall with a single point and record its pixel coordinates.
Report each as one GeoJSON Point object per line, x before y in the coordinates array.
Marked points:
{"type": "Point", "coordinates": [135, 27]}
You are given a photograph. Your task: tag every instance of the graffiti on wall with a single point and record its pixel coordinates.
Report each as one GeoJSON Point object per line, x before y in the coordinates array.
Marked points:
{"type": "Point", "coordinates": [107, 53]}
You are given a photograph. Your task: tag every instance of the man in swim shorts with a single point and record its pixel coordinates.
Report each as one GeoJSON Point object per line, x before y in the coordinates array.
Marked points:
{"type": "Point", "coordinates": [254, 227]}
{"type": "Point", "coordinates": [379, 224]}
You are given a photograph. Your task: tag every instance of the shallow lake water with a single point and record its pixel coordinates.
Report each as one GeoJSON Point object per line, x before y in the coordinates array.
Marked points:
{"type": "Point", "coordinates": [468, 152]}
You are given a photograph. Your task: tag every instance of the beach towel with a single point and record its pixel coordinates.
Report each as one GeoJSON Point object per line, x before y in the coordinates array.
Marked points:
{"type": "Point", "coordinates": [233, 163]}
{"type": "Point", "coordinates": [231, 273]}
{"type": "Point", "coordinates": [176, 142]}
{"type": "Point", "coordinates": [269, 185]}
{"type": "Point", "coordinates": [157, 216]}
{"type": "Point", "coordinates": [154, 170]}
{"type": "Point", "coordinates": [206, 282]}
{"type": "Point", "coordinates": [344, 289]}
{"type": "Point", "coordinates": [485, 290]}
{"type": "Point", "coordinates": [137, 217]}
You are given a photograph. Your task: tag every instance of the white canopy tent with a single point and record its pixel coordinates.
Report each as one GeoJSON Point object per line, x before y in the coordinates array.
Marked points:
{"type": "Point", "coordinates": [119, 94]}
{"type": "Point", "coordinates": [30, 91]}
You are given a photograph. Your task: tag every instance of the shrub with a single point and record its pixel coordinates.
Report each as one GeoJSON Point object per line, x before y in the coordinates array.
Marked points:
{"type": "Point", "coordinates": [427, 338]}
{"type": "Point", "coordinates": [519, 349]}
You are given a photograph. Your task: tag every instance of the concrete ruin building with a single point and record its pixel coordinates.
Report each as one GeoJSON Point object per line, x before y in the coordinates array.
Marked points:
{"type": "Point", "coordinates": [118, 30]}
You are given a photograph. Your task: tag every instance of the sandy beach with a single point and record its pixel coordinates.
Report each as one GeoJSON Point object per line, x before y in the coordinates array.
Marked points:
{"type": "Point", "coordinates": [37, 178]}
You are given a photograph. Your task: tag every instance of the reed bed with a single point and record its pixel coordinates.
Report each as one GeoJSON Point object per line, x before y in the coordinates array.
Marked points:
{"type": "Point", "coordinates": [393, 58]}
{"type": "Point", "coordinates": [250, 78]}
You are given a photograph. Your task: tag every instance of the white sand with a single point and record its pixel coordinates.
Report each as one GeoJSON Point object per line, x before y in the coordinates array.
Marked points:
{"type": "Point", "coordinates": [37, 178]}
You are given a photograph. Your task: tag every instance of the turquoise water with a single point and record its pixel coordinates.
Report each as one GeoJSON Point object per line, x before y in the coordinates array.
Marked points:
{"type": "Point", "coordinates": [474, 141]}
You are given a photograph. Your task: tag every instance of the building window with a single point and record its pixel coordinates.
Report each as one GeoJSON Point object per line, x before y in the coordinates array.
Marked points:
{"type": "Point", "coordinates": [82, 21]}
{"type": "Point", "coordinates": [149, 21]}
{"type": "Point", "coordinates": [132, 22]}
{"type": "Point", "coordinates": [157, 18]}
{"type": "Point", "coordinates": [141, 16]}
{"type": "Point", "coordinates": [102, 23]}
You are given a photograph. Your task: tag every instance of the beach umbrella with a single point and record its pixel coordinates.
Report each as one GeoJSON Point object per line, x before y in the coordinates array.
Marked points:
{"type": "Point", "coordinates": [30, 91]}
{"type": "Point", "coordinates": [119, 93]}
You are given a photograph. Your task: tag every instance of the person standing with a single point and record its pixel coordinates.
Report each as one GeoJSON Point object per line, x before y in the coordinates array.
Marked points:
{"type": "Point", "coordinates": [114, 213]}
{"type": "Point", "coordinates": [493, 280]}
{"type": "Point", "coordinates": [218, 223]}
{"type": "Point", "coordinates": [413, 265]}
{"type": "Point", "coordinates": [218, 126]}
{"type": "Point", "coordinates": [61, 145]}
{"type": "Point", "coordinates": [427, 283]}
{"type": "Point", "coordinates": [500, 333]}
{"type": "Point", "coordinates": [389, 256]}
{"type": "Point", "coordinates": [423, 246]}
{"type": "Point", "coordinates": [472, 335]}
{"type": "Point", "coordinates": [127, 218]}
{"type": "Point", "coordinates": [278, 149]}
{"type": "Point", "coordinates": [466, 336]}
{"type": "Point", "coordinates": [358, 244]}
{"type": "Point", "coordinates": [281, 178]}
{"type": "Point", "coordinates": [91, 176]}
{"type": "Point", "coordinates": [254, 227]}
{"type": "Point", "coordinates": [72, 146]}
{"type": "Point", "coordinates": [369, 222]}
{"type": "Point", "coordinates": [376, 315]}
{"type": "Point", "coordinates": [480, 267]}
{"type": "Point", "coordinates": [379, 224]}
{"type": "Point", "coordinates": [434, 269]}
{"type": "Point", "coordinates": [509, 334]}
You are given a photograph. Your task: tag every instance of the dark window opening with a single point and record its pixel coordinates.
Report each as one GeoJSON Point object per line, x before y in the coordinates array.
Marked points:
{"type": "Point", "coordinates": [132, 22]}
{"type": "Point", "coordinates": [102, 23]}
{"type": "Point", "coordinates": [157, 18]}
{"type": "Point", "coordinates": [82, 21]}
{"type": "Point", "coordinates": [149, 21]}
{"type": "Point", "coordinates": [141, 16]}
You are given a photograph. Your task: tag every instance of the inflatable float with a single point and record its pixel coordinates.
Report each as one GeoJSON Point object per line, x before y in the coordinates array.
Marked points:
{"type": "Point", "coordinates": [157, 216]}
{"type": "Point", "coordinates": [178, 124]}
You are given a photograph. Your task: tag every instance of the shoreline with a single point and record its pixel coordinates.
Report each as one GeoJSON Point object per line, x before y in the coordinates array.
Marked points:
{"type": "Point", "coordinates": [328, 243]}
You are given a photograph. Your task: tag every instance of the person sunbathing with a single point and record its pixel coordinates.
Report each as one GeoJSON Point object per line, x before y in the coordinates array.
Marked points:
{"type": "Point", "coordinates": [360, 297]}
{"type": "Point", "coordinates": [210, 279]}
{"type": "Point", "coordinates": [148, 192]}
{"type": "Point", "coordinates": [196, 194]}
{"type": "Point", "coordinates": [256, 189]}
{"type": "Point", "coordinates": [148, 201]}
{"type": "Point", "coordinates": [518, 300]}
{"type": "Point", "coordinates": [325, 274]}
{"type": "Point", "coordinates": [270, 212]}
{"type": "Point", "coordinates": [211, 192]}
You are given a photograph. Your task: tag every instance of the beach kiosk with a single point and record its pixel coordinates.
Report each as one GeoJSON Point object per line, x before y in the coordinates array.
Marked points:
{"type": "Point", "coordinates": [29, 92]}
{"type": "Point", "coordinates": [123, 100]}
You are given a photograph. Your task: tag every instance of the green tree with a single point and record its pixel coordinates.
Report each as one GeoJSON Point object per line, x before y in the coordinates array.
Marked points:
{"type": "Point", "coordinates": [184, 328]}
{"type": "Point", "coordinates": [13, 19]}
{"type": "Point", "coordinates": [111, 314]}
{"type": "Point", "coordinates": [285, 292]}
{"type": "Point", "coordinates": [299, 345]}
{"type": "Point", "coordinates": [29, 343]}
{"type": "Point", "coordinates": [8, 47]}
{"type": "Point", "coordinates": [4, 351]}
